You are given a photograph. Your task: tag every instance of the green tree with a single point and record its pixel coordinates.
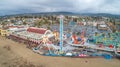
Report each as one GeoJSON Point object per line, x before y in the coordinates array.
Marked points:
{"type": "Point", "coordinates": [40, 23]}
{"type": "Point", "coordinates": [24, 23]}
{"type": "Point", "coordinates": [3, 23]}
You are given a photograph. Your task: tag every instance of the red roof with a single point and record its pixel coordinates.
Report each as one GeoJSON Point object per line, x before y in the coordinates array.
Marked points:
{"type": "Point", "coordinates": [36, 30]}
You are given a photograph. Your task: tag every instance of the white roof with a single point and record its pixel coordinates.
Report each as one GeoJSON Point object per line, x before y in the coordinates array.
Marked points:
{"type": "Point", "coordinates": [103, 25]}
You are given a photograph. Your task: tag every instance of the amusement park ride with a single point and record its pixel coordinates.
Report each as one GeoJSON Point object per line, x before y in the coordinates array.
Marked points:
{"type": "Point", "coordinates": [89, 42]}
{"type": "Point", "coordinates": [101, 45]}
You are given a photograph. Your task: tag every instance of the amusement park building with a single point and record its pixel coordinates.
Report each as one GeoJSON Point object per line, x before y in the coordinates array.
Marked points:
{"type": "Point", "coordinates": [32, 34]}
{"type": "Point", "coordinates": [3, 32]}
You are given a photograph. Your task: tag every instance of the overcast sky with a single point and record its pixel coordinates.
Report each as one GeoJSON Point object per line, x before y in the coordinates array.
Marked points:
{"type": "Point", "coordinates": [79, 6]}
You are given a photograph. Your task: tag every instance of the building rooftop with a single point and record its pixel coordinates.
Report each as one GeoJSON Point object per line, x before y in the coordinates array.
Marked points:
{"type": "Point", "coordinates": [36, 30]}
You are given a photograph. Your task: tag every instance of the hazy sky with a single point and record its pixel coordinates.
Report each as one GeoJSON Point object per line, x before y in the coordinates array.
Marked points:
{"type": "Point", "coordinates": [79, 6]}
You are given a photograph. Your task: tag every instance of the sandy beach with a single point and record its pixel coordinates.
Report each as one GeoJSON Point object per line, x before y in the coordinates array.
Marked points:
{"type": "Point", "coordinates": [13, 54]}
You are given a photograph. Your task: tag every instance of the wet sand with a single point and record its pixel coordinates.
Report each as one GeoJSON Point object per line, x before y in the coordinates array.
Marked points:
{"type": "Point", "coordinates": [13, 54]}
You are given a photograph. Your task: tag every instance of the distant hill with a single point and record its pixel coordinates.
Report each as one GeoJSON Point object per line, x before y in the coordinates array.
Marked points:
{"type": "Point", "coordinates": [101, 14]}
{"type": "Point", "coordinates": [68, 13]}
{"type": "Point", "coordinates": [52, 13]}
